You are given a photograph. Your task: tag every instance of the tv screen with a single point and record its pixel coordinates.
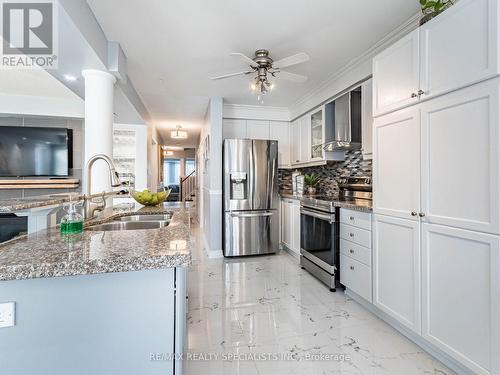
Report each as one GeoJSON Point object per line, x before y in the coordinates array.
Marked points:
{"type": "Point", "coordinates": [27, 151]}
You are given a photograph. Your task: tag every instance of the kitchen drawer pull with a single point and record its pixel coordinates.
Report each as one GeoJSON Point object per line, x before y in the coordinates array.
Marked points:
{"type": "Point", "coordinates": [351, 251]}
{"type": "Point", "coordinates": [351, 218]}
{"type": "Point", "coordinates": [421, 214]}
{"type": "Point", "coordinates": [413, 213]}
{"type": "Point", "coordinates": [351, 234]}
{"type": "Point", "coordinates": [352, 268]}
{"type": "Point", "coordinates": [414, 95]}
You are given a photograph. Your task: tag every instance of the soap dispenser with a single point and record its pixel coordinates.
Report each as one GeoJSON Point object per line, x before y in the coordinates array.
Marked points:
{"type": "Point", "coordinates": [72, 222]}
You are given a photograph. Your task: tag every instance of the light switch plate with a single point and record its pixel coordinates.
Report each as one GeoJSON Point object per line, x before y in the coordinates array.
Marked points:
{"type": "Point", "coordinates": [7, 314]}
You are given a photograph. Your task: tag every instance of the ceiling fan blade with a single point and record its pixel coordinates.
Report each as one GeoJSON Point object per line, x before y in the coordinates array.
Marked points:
{"type": "Point", "coordinates": [291, 76]}
{"type": "Point", "coordinates": [291, 60]}
{"type": "Point", "coordinates": [231, 75]}
{"type": "Point", "coordinates": [244, 58]}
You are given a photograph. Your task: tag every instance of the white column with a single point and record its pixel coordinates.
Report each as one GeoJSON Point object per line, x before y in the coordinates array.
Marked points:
{"type": "Point", "coordinates": [99, 98]}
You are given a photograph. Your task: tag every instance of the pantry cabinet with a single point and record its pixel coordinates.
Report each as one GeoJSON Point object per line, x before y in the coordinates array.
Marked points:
{"type": "Point", "coordinates": [460, 47]}
{"type": "Point", "coordinates": [396, 167]}
{"type": "Point", "coordinates": [460, 158]}
{"type": "Point", "coordinates": [396, 269]}
{"type": "Point", "coordinates": [454, 50]}
{"type": "Point", "coordinates": [396, 75]}
{"type": "Point", "coordinates": [461, 295]}
{"type": "Point", "coordinates": [421, 152]}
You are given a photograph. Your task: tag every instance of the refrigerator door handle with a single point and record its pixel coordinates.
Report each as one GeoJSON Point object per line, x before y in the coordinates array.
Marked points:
{"type": "Point", "coordinates": [253, 215]}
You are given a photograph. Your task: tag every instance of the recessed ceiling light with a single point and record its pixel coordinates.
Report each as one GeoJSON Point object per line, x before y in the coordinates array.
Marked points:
{"type": "Point", "coordinates": [70, 78]}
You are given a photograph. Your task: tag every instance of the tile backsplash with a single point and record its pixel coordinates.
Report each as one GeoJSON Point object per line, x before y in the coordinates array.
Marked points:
{"type": "Point", "coordinates": [353, 165]}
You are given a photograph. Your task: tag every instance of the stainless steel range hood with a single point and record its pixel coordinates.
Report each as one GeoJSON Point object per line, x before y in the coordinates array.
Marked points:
{"type": "Point", "coordinates": [343, 122]}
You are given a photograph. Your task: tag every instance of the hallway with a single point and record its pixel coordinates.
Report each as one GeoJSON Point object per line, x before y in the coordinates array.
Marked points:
{"type": "Point", "coordinates": [261, 307]}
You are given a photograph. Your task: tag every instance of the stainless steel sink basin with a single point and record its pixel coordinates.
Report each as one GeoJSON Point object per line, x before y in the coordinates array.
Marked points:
{"type": "Point", "coordinates": [145, 218]}
{"type": "Point", "coordinates": [129, 225]}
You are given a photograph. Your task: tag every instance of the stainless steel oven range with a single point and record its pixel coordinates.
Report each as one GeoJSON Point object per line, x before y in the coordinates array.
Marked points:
{"type": "Point", "coordinates": [319, 239]}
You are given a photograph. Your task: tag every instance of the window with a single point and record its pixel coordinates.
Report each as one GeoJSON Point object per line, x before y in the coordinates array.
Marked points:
{"type": "Point", "coordinates": [171, 169]}
{"type": "Point", "coordinates": [190, 166]}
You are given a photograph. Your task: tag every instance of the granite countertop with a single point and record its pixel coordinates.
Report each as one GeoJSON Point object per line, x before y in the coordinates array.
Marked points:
{"type": "Point", "coordinates": [362, 205]}
{"type": "Point", "coordinates": [49, 254]}
{"type": "Point", "coordinates": [19, 204]}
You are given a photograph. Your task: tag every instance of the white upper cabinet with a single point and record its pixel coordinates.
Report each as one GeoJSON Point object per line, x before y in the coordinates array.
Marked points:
{"type": "Point", "coordinates": [317, 134]}
{"type": "Point", "coordinates": [396, 166]}
{"type": "Point", "coordinates": [367, 119]}
{"type": "Point", "coordinates": [258, 129]}
{"type": "Point", "coordinates": [305, 139]}
{"type": "Point", "coordinates": [456, 49]}
{"type": "Point", "coordinates": [460, 158]}
{"type": "Point", "coordinates": [461, 295]}
{"type": "Point", "coordinates": [396, 268]}
{"type": "Point", "coordinates": [234, 129]}
{"type": "Point", "coordinates": [280, 131]}
{"type": "Point", "coordinates": [459, 47]}
{"type": "Point", "coordinates": [295, 142]}
{"type": "Point", "coordinates": [396, 75]}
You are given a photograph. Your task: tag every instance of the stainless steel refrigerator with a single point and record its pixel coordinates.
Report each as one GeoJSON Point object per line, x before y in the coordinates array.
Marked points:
{"type": "Point", "coordinates": [251, 201]}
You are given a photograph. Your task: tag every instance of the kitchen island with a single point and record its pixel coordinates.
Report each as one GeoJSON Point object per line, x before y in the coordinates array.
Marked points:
{"type": "Point", "coordinates": [99, 302]}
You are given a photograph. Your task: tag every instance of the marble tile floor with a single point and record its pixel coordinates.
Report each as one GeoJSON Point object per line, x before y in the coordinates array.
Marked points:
{"type": "Point", "coordinates": [264, 315]}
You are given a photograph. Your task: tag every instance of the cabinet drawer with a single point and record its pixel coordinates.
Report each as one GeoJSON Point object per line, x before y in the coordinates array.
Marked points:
{"type": "Point", "coordinates": [356, 276]}
{"type": "Point", "coordinates": [357, 252]}
{"type": "Point", "coordinates": [360, 236]}
{"type": "Point", "coordinates": [358, 219]}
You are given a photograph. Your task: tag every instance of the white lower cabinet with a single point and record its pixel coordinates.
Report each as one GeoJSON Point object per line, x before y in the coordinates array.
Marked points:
{"type": "Point", "coordinates": [396, 267]}
{"type": "Point", "coordinates": [356, 252]}
{"type": "Point", "coordinates": [461, 295]}
{"type": "Point", "coordinates": [290, 224]}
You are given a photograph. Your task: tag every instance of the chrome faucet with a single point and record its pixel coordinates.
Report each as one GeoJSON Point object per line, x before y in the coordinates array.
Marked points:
{"type": "Point", "coordinates": [89, 206]}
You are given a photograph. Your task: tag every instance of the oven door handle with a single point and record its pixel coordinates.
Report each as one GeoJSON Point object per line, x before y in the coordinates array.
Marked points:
{"type": "Point", "coordinates": [260, 214]}
{"type": "Point", "coordinates": [329, 218]}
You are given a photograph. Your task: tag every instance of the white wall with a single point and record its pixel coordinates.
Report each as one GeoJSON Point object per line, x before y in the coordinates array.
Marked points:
{"type": "Point", "coordinates": [210, 176]}
{"type": "Point", "coordinates": [28, 105]}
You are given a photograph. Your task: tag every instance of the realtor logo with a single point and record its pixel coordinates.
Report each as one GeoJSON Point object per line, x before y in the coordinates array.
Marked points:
{"type": "Point", "coordinates": [29, 34]}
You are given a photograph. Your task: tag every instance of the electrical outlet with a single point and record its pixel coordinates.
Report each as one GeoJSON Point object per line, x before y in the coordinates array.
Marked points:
{"type": "Point", "coordinates": [7, 314]}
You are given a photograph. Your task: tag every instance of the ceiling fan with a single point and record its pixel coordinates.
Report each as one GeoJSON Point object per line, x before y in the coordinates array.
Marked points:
{"type": "Point", "coordinates": [263, 66]}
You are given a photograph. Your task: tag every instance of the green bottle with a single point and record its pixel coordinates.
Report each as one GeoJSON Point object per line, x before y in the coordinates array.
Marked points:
{"type": "Point", "coordinates": [72, 222]}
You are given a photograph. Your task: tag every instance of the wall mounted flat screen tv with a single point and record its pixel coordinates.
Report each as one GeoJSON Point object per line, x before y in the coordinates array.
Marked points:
{"type": "Point", "coordinates": [33, 151]}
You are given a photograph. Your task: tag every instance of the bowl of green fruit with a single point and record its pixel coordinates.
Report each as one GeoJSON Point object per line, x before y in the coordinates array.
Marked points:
{"type": "Point", "coordinates": [147, 198]}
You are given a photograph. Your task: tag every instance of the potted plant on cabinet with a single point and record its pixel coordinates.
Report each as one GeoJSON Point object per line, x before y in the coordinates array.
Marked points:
{"type": "Point", "coordinates": [311, 181]}
{"type": "Point", "coordinates": [431, 8]}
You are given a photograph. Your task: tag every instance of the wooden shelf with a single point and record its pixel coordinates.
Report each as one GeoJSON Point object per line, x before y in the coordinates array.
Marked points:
{"type": "Point", "coordinates": [66, 183]}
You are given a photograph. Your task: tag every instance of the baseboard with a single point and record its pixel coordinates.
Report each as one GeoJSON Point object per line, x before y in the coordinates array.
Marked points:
{"type": "Point", "coordinates": [418, 340]}
{"type": "Point", "coordinates": [290, 252]}
{"type": "Point", "coordinates": [211, 254]}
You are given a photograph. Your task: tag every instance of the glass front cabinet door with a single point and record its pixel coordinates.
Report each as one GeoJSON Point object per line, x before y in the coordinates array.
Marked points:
{"type": "Point", "coordinates": [317, 134]}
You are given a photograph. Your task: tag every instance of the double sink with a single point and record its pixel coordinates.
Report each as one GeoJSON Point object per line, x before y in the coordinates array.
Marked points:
{"type": "Point", "coordinates": [133, 222]}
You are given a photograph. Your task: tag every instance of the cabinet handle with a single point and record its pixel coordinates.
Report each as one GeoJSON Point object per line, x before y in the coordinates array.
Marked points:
{"type": "Point", "coordinates": [351, 218]}
{"type": "Point", "coordinates": [352, 268]}
{"type": "Point", "coordinates": [421, 214]}
{"type": "Point", "coordinates": [351, 234]}
{"type": "Point", "coordinates": [413, 95]}
{"type": "Point", "coordinates": [351, 251]}
{"type": "Point", "coordinates": [421, 92]}
{"type": "Point", "coordinates": [413, 213]}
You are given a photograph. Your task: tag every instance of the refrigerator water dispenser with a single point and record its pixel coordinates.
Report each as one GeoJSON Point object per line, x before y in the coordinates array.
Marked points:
{"type": "Point", "coordinates": [239, 184]}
